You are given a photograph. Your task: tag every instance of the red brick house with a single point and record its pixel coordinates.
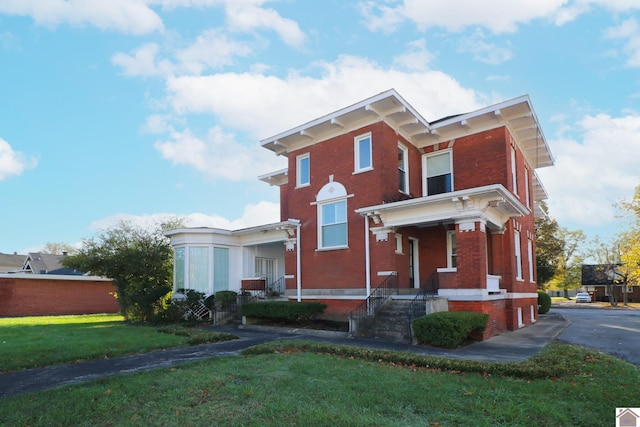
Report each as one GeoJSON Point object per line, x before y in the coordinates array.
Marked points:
{"type": "Point", "coordinates": [374, 190]}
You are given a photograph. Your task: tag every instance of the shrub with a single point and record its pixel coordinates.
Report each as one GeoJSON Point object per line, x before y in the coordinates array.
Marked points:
{"type": "Point", "coordinates": [282, 309]}
{"type": "Point", "coordinates": [544, 302]}
{"type": "Point", "coordinates": [448, 328]}
{"type": "Point", "coordinates": [226, 298]}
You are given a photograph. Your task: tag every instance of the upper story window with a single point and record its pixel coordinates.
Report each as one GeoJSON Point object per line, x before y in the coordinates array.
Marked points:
{"type": "Point", "coordinates": [518, 256]}
{"type": "Point", "coordinates": [363, 153]}
{"type": "Point", "coordinates": [332, 216]}
{"type": "Point", "coordinates": [438, 172]}
{"type": "Point", "coordinates": [303, 171]}
{"type": "Point", "coordinates": [399, 248]}
{"type": "Point", "coordinates": [526, 187]}
{"type": "Point", "coordinates": [403, 168]}
{"type": "Point", "coordinates": [514, 175]}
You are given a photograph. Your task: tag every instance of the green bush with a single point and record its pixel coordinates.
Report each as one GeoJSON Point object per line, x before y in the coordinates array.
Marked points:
{"type": "Point", "coordinates": [544, 302]}
{"type": "Point", "coordinates": [226, 298]}
{"type": "Point", "coordinates": [448, 328]}
{"type": "Point", "coordinates": [282, 309]}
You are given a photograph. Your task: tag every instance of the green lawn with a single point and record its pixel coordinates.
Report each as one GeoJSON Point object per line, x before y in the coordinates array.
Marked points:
{"type": "Point", "coordinates": [28, 342]}
{"type": "Point", "coordinates": [280, 386]}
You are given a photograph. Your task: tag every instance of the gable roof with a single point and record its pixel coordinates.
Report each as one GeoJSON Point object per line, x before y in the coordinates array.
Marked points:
{"type": "Point", "coordinates": [11, 262]}
{"type": "Point", "coordinates": [516, 114]}
{"type": "Point", "coordinates": [39, 263]}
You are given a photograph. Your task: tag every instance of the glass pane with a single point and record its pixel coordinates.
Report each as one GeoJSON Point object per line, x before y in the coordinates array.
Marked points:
{"type": "Point", "coordinates": [328, 214]}
{"type": "Point", "coordinates": [199, 269]}
{"type": "Point", "coordinates": [401, 180]}
{"type": "Point", "coordinates": [178, 269]}
{"type": "Point", "coordinates": [439, 184]}
{"type": "Point", "coordinates": [438, 165]}
{"type": "Point", "coordinates": [303, 171]}
{"type": "Point", "coordinates": [220, 269]}
{"type": "Point", "coordinates": [364, 153]}
{"type": "Point", "coordinates": [400, 159]}
{"type": "Point", "coordinates": [334, 235]}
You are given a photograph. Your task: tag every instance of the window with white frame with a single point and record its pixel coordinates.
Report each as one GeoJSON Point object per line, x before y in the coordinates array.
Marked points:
{"type": "Point", "coordinates": [303, 172]}
{"type": "Point", "coordinates": [403, 168]}
{"type": "Point", "coordinates": [363, 153]}
{"type": "Point", "coordinates": [398, 243]}
{"type": "Point", "coordinates": [514, 175]}
{"type": "Point", "coordinates": [333, 224]}
{"type": "Point", "coordinates": [526, 187]}
{"type": "Point", "coordinates": [178, 268]}
{"type": "Point", "coordinates": [452, 251]}
{"type": "Point", "coordinates": [438, 173]}
{"type": "Point", "coordinates": [530, 256]}
{"type": "Point", "coordinates": [199, 268]}
{"type": "Point", "coordinates": [516, 242]}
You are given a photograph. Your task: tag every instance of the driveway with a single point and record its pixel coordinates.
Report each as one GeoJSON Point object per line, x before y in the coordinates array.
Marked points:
{"type": "Point", "coordinates": [612, 331]}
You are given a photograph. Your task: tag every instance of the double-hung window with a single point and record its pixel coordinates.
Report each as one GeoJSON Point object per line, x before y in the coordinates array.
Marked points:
{"type": "Point", "coordinates": [303, 172]}
{"type": "Point", "coordinates": [518, 254]}
{"type": "Point", "coordinates": [363, 153]}
{"type": "Point", "coordinates": [514, 174]}
{"type": "Point", "coordinates": [452, 251]}
{"type": "Point", "coordinates": [403, 169]}
{"type": "Point", "coordinates": [438, 173]}
{"type": "Point", "coordinates": [333, 224]}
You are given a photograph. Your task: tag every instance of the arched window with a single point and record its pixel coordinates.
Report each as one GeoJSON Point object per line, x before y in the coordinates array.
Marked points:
{"type": "Point", "coordinates": [332, 216]}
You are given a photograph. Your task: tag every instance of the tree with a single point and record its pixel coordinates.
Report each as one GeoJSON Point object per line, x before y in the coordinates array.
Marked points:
{"type": "Point", "coordinates": [139, 261]}
{"type": "Point", "coordinates": [57, 248]}
{"type": "Point", "coordinates": [611, 269]}
{"type": "Point", "coordinates": [568, 273]}
{"type": "Point", "coordinates": [548, 247]}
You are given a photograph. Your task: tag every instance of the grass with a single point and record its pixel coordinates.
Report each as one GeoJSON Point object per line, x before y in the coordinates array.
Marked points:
{"type": "Point", "coordinates": [29, 342]}
{"type": "Point", "coordinates": [308, 385]}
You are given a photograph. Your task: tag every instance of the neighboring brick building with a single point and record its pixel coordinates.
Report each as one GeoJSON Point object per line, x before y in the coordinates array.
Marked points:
{"type": "Point", "coordinates": [374, 190]}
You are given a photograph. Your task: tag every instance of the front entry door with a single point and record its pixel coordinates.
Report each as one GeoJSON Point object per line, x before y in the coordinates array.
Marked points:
{"type": "Point", "coordinates": [414, 273]}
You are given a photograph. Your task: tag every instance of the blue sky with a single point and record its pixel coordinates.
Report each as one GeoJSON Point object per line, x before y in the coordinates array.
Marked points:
{"type": "Point", "coordinates": [141, 109]}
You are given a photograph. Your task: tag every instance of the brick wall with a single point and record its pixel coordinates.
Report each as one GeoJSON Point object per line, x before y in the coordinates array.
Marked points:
{"type": "Point", "coordinates": [40, 296]}
{"type": "Point", "coordinates": [495, 309]}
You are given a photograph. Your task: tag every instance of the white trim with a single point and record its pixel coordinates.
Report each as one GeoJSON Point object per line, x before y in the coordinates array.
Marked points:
{"type": "Point", "coordinates": [518, 254]}
{"type": "Point", "coordinates": [416, 261]}
{"type": "Point", "coordinates": [530, 255]}
{"type": "Point", "coordinates": [521, 295]}
{"type": "Point", "coordinates": [399, 245]}
{"type": "Point", "coordinates": [299, 159]}
{"type": "Point", "coordinates": [405, 160]}
{"type": "Point", "coordinates": [514, 173]}
{"type": "Point", "coordinates": [451, 234]}
{"type": "Point", "coordinates": [425, 156]}
{"type": "Point", "coordinates": [387, 273]}
{"type": "Point", "coordinates": [321, 225]}
{"type": "Point", "coordinates": [447, 270]}
{"type": "Point", "coordinates": [356, 153]}
{"type": "Point", "coordinates": [471, 294]}
{"type": "Point", "coordinates": [36, 276]}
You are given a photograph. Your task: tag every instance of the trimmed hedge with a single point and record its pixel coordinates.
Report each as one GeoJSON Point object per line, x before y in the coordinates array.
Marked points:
{"type": "Point", "coordinates": [226, 298]}
{"type": "Point", "coordinates": [544, 302]}
{"type": "Point", "coordinates": [282, 309]}
{"type": "Point", "coordinates": [448, 328]}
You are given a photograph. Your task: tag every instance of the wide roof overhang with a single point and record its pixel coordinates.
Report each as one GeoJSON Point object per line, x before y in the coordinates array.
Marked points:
{"type": "Point", "coordinates": [492, 204]}
{"type": "Point", "coordinates": [262, 234]}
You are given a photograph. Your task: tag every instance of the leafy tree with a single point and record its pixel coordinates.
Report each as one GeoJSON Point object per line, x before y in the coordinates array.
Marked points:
{"type": "Point", "coordinates": [569, 261]}
{"type": "Point", "coordinates": [549, 247]}
{"type": "Point", "coordinates": [139, 261]}
{"type": "Point", "coordinates": [611, 268]}
{"type": "Point", "coordinates": [57, 248]}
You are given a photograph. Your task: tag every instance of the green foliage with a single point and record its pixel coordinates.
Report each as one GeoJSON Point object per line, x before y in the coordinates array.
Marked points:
{"type": "Point", "coordinates": [282, 310]}
{"type": "Point", "coordinates": [549, 246]}
{"type": "Point", "coordinates": [448, 328]}
{"type": "Point", "coordinates": [226, 299]}
{"type": "Point", "coordinates": [544, 302]}
{"type": "Point", "coordinates": [139, 261]}
{"type": "Point", "coordinates": [196, 336]}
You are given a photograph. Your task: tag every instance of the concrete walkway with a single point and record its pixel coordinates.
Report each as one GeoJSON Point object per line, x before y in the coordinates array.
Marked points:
{"type": "Point", "coordinates": [511, 346]}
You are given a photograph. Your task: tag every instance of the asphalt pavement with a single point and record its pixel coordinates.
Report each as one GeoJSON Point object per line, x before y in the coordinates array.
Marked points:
{"type": "Point", "coordinates": [510, 346]}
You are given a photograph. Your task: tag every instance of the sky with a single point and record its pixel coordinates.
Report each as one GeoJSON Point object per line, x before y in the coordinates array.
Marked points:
{"type": "Point", "coordinates": [140, 109]}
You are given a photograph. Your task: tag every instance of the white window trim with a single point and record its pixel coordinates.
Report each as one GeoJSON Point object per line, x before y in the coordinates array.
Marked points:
{"type": "Point", "coordinates": [451, 233]}
{"type": "Point", "coordinates": [518, 254]}
{"type": "Point", "coordinates": [424, 168]}
{"type": "Point", "coordinates": [356, 153]}
{"type": "Point", "coordinates": [299, 159]}
{"type": "Point", "coordinates": [399, 245]}
{"type": "Point", "coordinates": [405, 155]}
{"type": "Point", "coordinates": [320, 205]}
{"type": "Point", "coordinates": [530, 255]}
{"type": "Point", "coordinates": [514, 173]}
{"type": "Point", "coordinates": [526, 187]}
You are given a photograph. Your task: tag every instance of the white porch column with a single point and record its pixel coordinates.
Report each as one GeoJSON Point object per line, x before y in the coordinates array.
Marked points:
{"type": "Point", "coordinates": [367, 255]}
{"type": "Point", "coordinates": [298, 268]}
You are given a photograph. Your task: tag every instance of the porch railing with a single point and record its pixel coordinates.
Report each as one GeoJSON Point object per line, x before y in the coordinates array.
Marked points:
{"type": "Point", "coordinates": [277, 287]}
{"type": "Point", "coordinates": [418, 306]}
{"type": "Point", "coordinates": [376, 298]}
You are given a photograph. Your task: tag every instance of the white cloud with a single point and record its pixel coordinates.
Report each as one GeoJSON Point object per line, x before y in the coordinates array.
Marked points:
{"type": "Point", "coordinates": [416, 58]}
{"type": "Point", "coordinates": [255, 214]}
{"type": "Point", "coordinates": [13, 162]}
{"type": "Point", "coordinates": [265, 105]}
{"type": "Point", "coordinates": [629, 31]}
{"type": "Point", "coordinates": [499, 16]}
{"type": "Point", "coordinates": [592, 174]}
{"type": "Point", "coordinates": [142, 62]}
{"type": "Point", "coordinates": [218, 155]}
{"type": "Point", "coordinates": [482, 51]}
{"type": "Point", "coordinates": [127, 16]}
{"type": "Point", "coordinates": [212, 49]}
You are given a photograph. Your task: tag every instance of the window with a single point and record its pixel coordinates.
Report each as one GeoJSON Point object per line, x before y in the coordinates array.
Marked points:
{"type": "Point", "coordinates": [516, 238]}
{"type": "Point", "coordinates": [452, 250]}
{"type": "Point", "coordinates": [526, 187]}
{"type": "Point", "coordinates": [220, 269]}
{"type": "Point", "coordinates": [530, 255]}
{"type": "Point", "coordinates": [398, 243]}
{"type": "Point", "coordinates": [514, 175]}
{"type": "Point", "coordinates": [333, 224]}
{"type": "Point", "coordinates": [178, 269]}
{"type": "Point", "coordinates": [362, 149]}
{"type": "Point", "coordinates": [403, 169]}
{"type": "Point", "coordinates": [302, 170]}
{"type": "Point", "coordinates": [199, 269]}
{"type": "Point", "coordinates": [439, 178]}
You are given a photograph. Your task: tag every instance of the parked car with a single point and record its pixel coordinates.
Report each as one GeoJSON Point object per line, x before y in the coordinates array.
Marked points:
{"type": "Point", "coordinates": [583, 297]}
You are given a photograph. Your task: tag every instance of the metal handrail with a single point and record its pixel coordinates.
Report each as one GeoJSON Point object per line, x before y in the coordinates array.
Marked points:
{"type": "Point", "coordinates": [277, 287]}
{"type": "Point", "coordinates": [376, 298]}
{"type": "Point", "coordinates": [418, 306]}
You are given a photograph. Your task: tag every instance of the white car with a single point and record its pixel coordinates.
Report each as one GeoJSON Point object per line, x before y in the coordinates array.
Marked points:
{"type": "Point", "coordinates": [583, 297]}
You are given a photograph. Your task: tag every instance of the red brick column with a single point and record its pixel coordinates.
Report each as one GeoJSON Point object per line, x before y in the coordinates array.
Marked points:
{"type": "Point", "coordinates": [471, 254]}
